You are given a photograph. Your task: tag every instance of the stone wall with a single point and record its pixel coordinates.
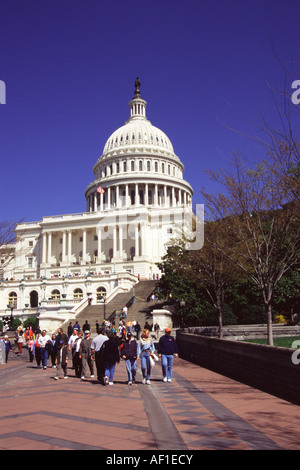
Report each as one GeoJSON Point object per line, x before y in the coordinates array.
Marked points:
{"type": "Point", "coordinates": [264, 367]}
{"type": "Point", "coordinates": [241, 332]}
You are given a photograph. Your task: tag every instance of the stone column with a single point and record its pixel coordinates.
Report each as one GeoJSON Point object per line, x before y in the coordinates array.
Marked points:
{"type": "Point", "coordinates": [84, 245]}
{"type": "Point", "coordinates": [137, 251]}
{"type": "Point", "coordinates": [69, 246]}
{"type": "Point", "coordinates": [146, 197]}
{"type": "Point", "coordinates": [114, 241]}
{"type": "Point", "coordinates": [137, 197]}
{"type": "Point", "coordinates": [108, 197]}
{"type": "Point", "coordinates": [156, 195]}
{"type": "Point", "coordinates": [64, 246]}
{"type": "Point", "coordinates": [49, 246]}
{"type": "Point", "coordinates": [118, 196]}
{"type": "Point", "coordinates": [44, 257]}
{"type": "Point", "coordinates": [99, 243]}
{"type": "Point", "coordinates": [173, 197]}
{"type": "Point", "coordinates": [120, 241]}
{"type": "Point", "coordinates": [165, 196]}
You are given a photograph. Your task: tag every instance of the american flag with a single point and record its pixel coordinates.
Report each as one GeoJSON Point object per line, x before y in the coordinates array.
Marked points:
{"type": "Point", "coordinates": [100, 190]}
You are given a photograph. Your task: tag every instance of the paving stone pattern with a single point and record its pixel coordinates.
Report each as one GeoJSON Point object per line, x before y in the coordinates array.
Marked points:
{"type": "Point", "coordinates": [199, 410]}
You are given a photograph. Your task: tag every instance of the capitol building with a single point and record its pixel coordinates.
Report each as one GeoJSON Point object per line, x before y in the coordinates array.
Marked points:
{"type": "Point", "coordinates": [136, 206]}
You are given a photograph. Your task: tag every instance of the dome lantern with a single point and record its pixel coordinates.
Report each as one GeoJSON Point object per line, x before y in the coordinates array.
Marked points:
{"type": "Point", "coordinates": [137, 104]}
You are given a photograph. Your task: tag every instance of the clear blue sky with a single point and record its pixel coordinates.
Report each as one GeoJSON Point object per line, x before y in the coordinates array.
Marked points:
{"type": "Point", "coordinates": [69, 67]}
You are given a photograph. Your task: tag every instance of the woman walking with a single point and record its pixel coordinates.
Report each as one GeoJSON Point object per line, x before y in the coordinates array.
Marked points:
{"type": "Point", "coordinates": [145, 350]}
{"type": "Point", "coordinates": [20, 342]}
{"type": "Point", "coordinates": [36, 350]}
{"type": "Point", "coordinates": [129, 353]}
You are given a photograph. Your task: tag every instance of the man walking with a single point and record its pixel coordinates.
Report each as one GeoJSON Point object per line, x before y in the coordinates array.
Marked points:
{"type": "Point", "coordinates": [85, 354]}
{"type": "Point", "coordinates": [44, 341]}
{"type": "Point", "coordinates": [167, 350]}
{"type": "Point", "coordinates": [97, 354]}
{"type": "Point", "coordinates": [62, 353]}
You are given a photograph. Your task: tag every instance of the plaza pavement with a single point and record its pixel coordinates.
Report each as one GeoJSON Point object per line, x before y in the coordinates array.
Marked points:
{"type": "Point", "coordinates": [199, 410]}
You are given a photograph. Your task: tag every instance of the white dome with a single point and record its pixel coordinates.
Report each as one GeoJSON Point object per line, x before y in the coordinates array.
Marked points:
{"type": "Point", "coordinates": [138, 133]}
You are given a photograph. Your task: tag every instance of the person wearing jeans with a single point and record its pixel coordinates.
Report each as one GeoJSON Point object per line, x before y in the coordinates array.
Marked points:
{"type": "Point", "coordinates": [129, 353]}
{"type": "Point", "coordinates": [167, 350]}
{"type": "Point", "coordinates": [43, 344]}
{"type": "Point", "coordinates": [144, 351]}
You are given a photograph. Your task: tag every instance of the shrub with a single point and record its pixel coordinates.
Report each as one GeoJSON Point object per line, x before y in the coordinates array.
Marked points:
{"type": "Point", "coordinates": [252, 314]}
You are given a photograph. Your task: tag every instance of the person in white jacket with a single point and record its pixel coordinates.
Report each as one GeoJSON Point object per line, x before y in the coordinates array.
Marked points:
{"type": "Point", "coordinates": [43, 341]}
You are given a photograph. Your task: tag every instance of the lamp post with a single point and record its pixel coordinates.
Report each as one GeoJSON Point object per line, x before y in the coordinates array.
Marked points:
{"type": "Point", "coordinates": [11, 321]}
{"type": "Point", "coordinates": [104, 302]}
{"type": "Point", "coordinates": [182, 305]}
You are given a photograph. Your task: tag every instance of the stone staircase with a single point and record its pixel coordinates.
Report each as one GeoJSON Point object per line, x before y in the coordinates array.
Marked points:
{"type": "Point", "coordinates": [139, 310]}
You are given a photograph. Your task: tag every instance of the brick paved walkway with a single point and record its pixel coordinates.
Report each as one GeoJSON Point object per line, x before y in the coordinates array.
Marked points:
{"type": "Point", "coordinates": [199, 410]}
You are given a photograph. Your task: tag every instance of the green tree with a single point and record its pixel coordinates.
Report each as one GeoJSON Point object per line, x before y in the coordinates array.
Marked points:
{"type": "Point", "coordinates": [260, 208]}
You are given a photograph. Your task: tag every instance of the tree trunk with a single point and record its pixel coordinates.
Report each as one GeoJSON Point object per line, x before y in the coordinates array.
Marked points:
{"type": "Point", "coordinates": [269, 324]}
{"type": "Point", "coordinates": [220, 321]}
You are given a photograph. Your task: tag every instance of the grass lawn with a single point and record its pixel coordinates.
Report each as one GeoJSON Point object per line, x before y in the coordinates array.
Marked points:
{"type": "Point", "coordinates": [283, 341]}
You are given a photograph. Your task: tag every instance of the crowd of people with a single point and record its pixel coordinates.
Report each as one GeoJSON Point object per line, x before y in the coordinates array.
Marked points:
{"type": "Point", "coordinates": [111, 345]}
{"type": "Point", "coordinates": [100, 354]}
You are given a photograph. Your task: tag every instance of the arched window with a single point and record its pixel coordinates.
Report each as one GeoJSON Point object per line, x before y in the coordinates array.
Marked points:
{"type": "Point", "coordinates": [148, 166]}
{"type": "Point", "coordinates": [12, 300]}
{"type": "Point", "coordinates": [34, 299]}
{"type": "Point", "coordinates": [55, 294]}
{"type": "Point", "coordinates": [101, 294]}
{"type": "Point", "coordinates": [132, 165]}
{"type": "Point", "coordinates": [77, 293]}
{"type": "Point", "coordinates": [140, 165]}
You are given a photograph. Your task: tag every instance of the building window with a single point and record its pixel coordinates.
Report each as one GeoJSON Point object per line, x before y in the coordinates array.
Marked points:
{"type": "Point", "coordinates": [12, 300]}
{"type": "Point", "coordinates": [30, 262]}
{"type": "Point", "coordinates": [55, 294]}
{"type": "Point", "coordinates": [140, 165]}
{"type": "Point", "coordinates": [77, 294]}
{"type": "Point", "coordinates": [141, 194]}
{"type": "Point", "coordinates": [132, 165]}
{"type": "Point", "coordinates": [101, 294]}
{"type": "Point", "coordinates": [148, 166]}
{"type": "Point", "coordinates": [156, 166]}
